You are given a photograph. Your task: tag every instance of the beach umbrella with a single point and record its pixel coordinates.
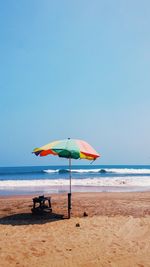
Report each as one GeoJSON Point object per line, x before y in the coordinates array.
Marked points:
{"type": "Point", "coordinates": [70, 149]}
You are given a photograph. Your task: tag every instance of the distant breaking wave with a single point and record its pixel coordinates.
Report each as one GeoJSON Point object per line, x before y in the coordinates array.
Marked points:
{"type": "Point", "coordinates": [103, 171]}
{"type": "Point", "coordinates": [61, 171]}
{"type": "Point", "coordinates": [118, 171]}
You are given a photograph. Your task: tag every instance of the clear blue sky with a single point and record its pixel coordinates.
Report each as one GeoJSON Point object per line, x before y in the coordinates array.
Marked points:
{"type": "Point", "coordinates": [76, 69]}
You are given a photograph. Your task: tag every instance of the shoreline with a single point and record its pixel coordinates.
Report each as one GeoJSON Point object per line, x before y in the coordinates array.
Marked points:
{"type": "Point", "coordinates": [29, 195]}
{"type": "Point", "coordinates": [75, 189]}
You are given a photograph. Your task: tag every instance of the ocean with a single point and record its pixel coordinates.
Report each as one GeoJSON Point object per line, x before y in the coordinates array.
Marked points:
{"type": "Point", "coordinates": [85, 178]}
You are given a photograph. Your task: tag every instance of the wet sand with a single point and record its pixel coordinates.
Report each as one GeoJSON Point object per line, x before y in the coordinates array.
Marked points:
{"type": "Point", "coordinates": [116, 231]}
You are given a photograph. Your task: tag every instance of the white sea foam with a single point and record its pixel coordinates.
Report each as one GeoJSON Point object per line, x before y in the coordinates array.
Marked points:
{"type": "Point", "coordinates": [129, 171]}
{"type": "Point", "coordinates": [50, 171]}
{"type": "Point", "coordinates": [117, 181]}
{"type": "Point", "coordinates": [86, 170]}
{"type": "Point", "coordinates": [110, 170]}
{"type": "Point", "coordinates": [73, 170]}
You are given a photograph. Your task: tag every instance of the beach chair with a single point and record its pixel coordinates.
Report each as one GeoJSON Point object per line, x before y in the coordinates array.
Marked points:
{"type": "Point", "coordinates": [41, 204]}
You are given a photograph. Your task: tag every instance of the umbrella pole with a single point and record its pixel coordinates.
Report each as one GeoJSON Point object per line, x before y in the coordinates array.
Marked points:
{"type": "Point", "coordinates": [70, 173]}
{"type": "Point", "coordinates": [69, 194]}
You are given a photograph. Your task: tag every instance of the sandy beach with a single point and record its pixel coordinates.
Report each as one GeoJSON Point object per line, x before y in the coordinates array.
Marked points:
{"type": "Point", "coordinates": [116, 231]}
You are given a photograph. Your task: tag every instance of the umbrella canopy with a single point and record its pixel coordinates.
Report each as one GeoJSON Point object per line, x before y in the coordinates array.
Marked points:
{"type": "Point", "coordinates": [68, 148]}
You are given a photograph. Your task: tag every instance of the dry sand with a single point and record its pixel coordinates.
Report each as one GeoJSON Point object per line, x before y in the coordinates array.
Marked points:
{"type": "Point", "coordinates": [115, 233]}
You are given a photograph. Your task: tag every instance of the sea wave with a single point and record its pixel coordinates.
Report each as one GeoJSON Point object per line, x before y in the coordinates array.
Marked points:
{"type": "Point", "coordinates": [61, 171]}
{"type": "Point", "coordinates": [102, 171]}
{"type": "Point", "coordinates": [117, 181]}
{"type": "Point", "coordinates": [121, 171]}
{"type": "Point", "coordinates": [128, 171]}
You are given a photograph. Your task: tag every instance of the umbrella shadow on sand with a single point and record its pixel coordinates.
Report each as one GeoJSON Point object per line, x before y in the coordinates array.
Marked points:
{"type": "Point", "coordinates": [29, 218]}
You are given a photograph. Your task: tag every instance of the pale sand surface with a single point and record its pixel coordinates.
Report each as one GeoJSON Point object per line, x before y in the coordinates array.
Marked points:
{"type": "Point", "coordinates": [115, 233]}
